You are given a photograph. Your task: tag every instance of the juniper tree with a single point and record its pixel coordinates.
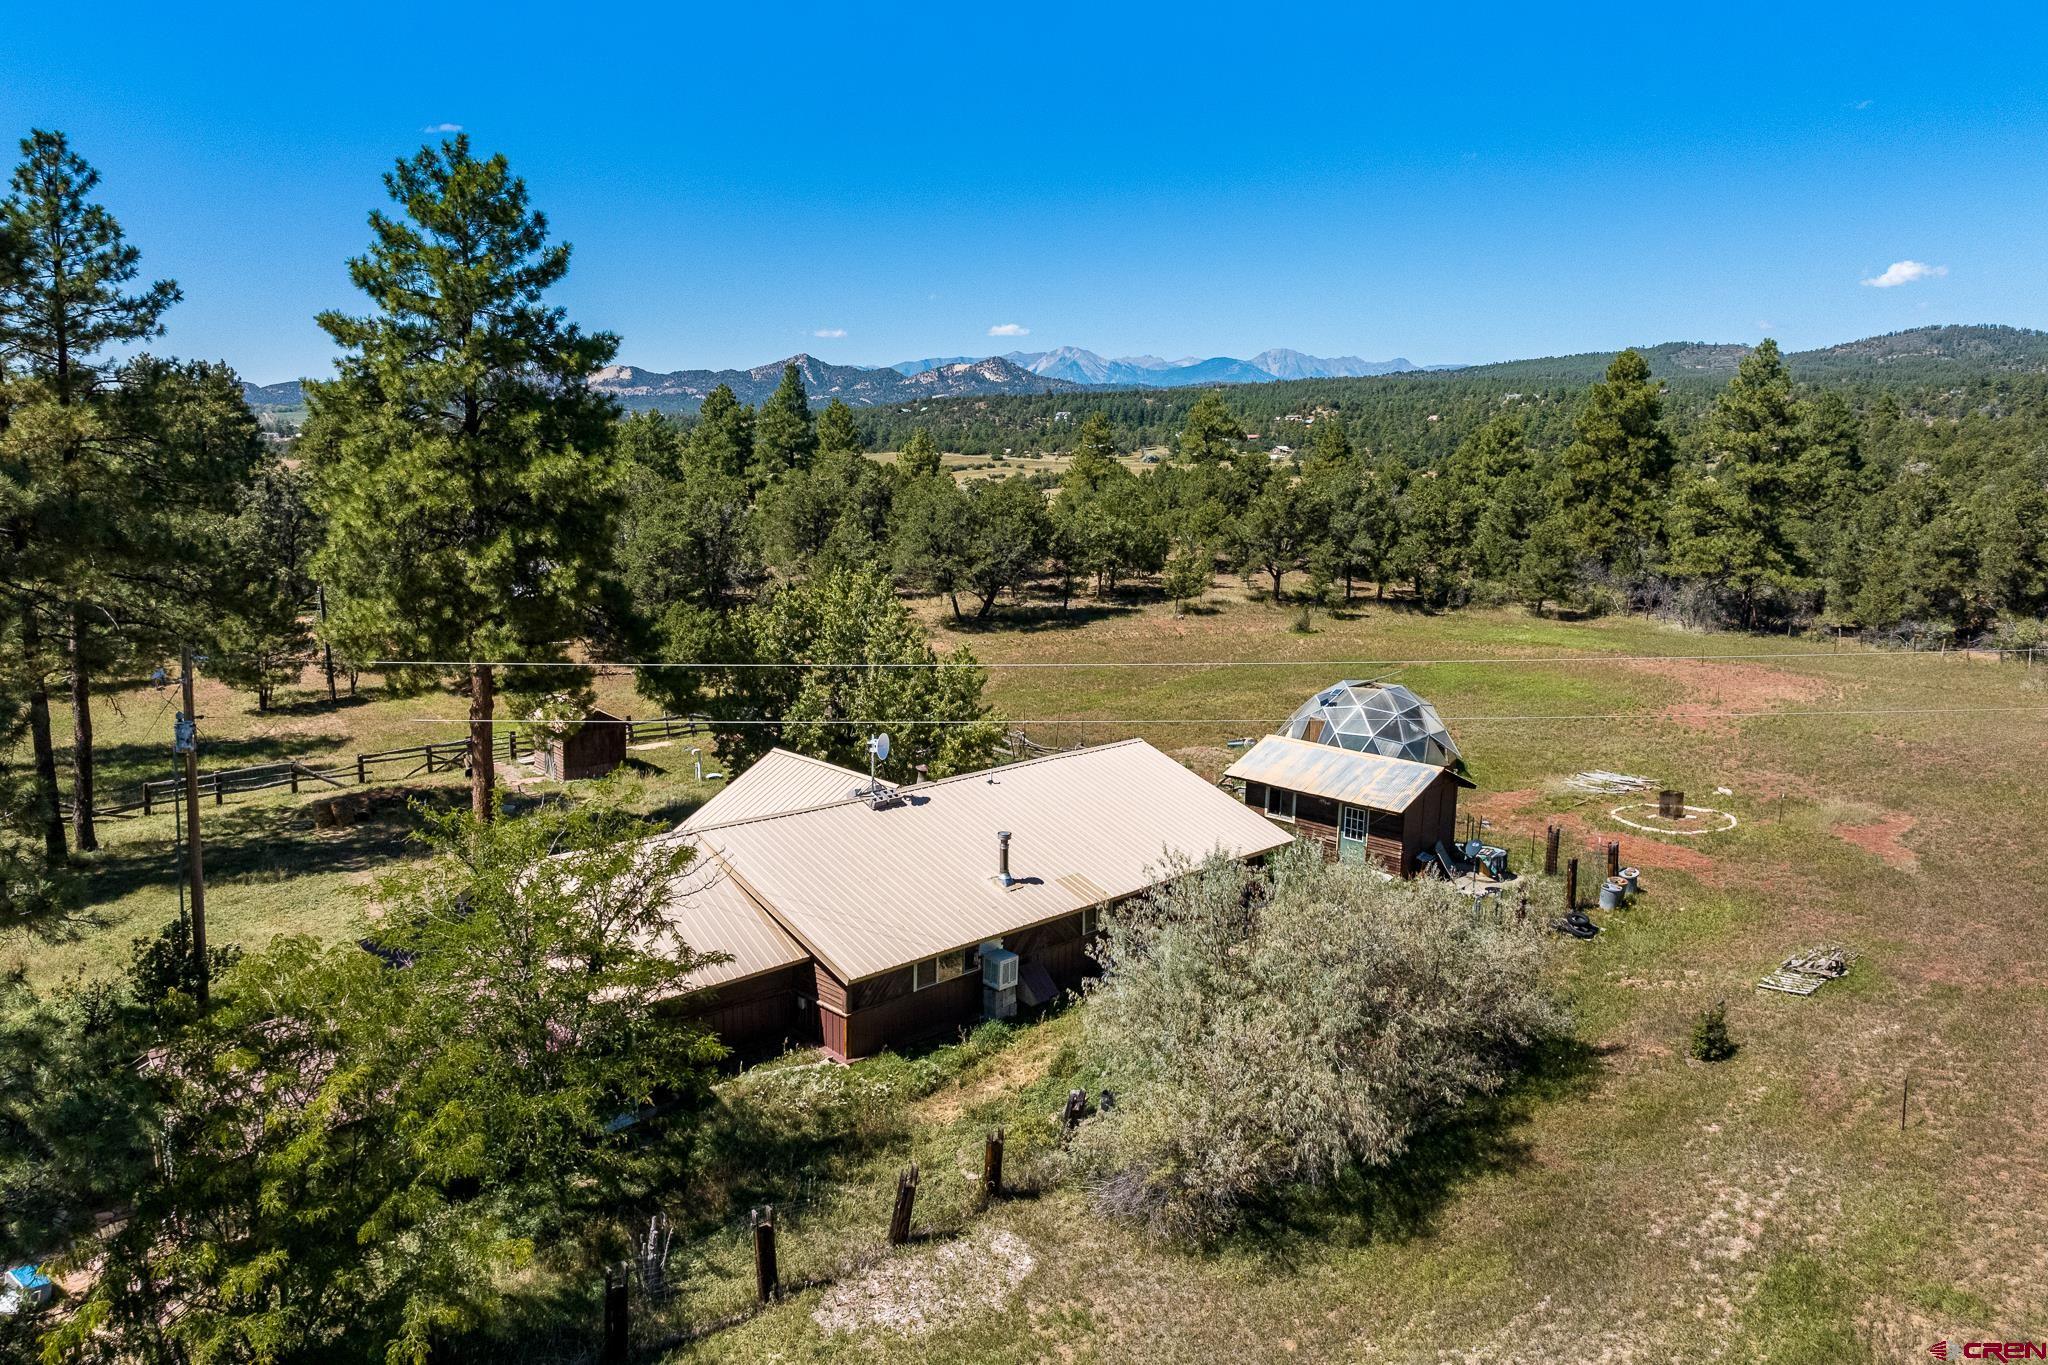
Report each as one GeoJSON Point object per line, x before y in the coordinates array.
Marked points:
{"type": "Point", "coordinates": [464, 466]}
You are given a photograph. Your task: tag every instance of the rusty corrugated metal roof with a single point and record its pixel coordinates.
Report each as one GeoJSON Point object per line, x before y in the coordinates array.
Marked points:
{"type": "Point", "coordinates": [778, 781]}
{"type": "Point", "coordinates": [1389, 784]}
{"type": "Point", "coordinates": [870, 890]}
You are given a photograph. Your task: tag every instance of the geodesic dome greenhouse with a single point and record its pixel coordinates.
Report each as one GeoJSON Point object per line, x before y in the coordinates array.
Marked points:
{"type": "Point", "coordinates": [1374, 718]}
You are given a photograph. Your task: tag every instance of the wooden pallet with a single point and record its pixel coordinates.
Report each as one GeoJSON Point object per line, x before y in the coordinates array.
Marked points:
{"type": "Point", "coordinates": [1792, 983]}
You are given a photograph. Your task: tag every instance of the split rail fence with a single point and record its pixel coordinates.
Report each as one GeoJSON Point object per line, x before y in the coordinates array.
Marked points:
{"type": "Point", "coordinates": [158, 795]}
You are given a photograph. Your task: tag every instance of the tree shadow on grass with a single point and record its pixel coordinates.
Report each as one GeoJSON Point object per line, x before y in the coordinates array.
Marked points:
{"type": "Point", "coordinates": [263, 843]}
{"type": "Point", "coordinates": [1037, 618]}
{"type": "Point", "coordinates": [1400, 1202]}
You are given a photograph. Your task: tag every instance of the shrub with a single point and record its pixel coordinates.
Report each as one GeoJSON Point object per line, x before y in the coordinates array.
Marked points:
{"type": "Point", "coordinates": [1710, 1040]}
{"type": "Point", "coordinates": [1273, 1027]}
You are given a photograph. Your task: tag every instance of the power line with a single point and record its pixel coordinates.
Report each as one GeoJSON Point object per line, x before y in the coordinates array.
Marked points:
{"type": "Point", "coordinates": [1663, 714]}
{"type": "Point", "coordinates": [707, 665]}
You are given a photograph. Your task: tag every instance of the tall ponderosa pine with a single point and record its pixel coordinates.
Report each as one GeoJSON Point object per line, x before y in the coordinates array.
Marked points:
{"type": "Point", "coordinates": [1733, 526]}
{"type": "Point", "coordinates": [1615, 476]}
{"type": "Point", "coordinates": [1211, 433]}
{"type": "Point", "coordinates": [920, 457]}
{"type": "Point", "coordinates": [465, 469]}
{"type": "Point", "coordinates": [723, 439]}
{"type": "Point", "coordinates": [64, 301]}
{"type": "Point", "coordinates": [785, 437]}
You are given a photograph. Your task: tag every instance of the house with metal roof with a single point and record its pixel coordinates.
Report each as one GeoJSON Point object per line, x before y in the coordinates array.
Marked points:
{"type": "Point", "coordinates": [861, 917]}
{"type": "Point", "coordinates": [1359, 806]}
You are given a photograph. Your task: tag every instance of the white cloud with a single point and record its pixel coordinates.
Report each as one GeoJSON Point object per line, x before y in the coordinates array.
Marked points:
{"type": "Point", "coordinates": [1861, 104]}
{"type": "Point", "coordinates": [1763, 324]}
{"type": "Point", "coordinates": [442, 128]}
{"type": "Point", "coordinates": [1009, 329]}
{"type": "Point", "coordinates": [1905, 272]}
{"type": "Point", "coordinates": [830, 333]}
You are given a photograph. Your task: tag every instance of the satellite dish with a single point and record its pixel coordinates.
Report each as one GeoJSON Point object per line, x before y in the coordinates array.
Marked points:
{"type": "Point", "coordinates": [878, 745]}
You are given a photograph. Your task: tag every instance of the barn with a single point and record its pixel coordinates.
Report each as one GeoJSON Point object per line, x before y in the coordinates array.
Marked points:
{"type": "Point", "coordinates": [590, 749]}
{"type": "Point", "coordinates": [859, 919]}
{"type": "Point", "coordinates": [1361, 807]}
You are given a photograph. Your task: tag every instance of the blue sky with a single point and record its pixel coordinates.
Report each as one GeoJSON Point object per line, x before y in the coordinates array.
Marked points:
{"type": "Point", "coordinates": [1449, 183]}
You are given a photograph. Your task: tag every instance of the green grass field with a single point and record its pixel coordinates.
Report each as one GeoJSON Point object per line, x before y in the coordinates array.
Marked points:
{"type": "Point", "coordinates": [1626, 1204]}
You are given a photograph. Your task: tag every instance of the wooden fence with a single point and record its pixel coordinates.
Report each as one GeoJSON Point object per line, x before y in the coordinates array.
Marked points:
{"type": "Point", "coordinates": [158, 795]}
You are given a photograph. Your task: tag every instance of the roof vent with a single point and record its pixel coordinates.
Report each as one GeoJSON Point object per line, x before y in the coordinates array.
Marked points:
{"type": "Point", "coordinates": [1003, 876]}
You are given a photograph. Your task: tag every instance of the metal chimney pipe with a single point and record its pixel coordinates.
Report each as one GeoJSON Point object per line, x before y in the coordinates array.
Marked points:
{"type": "Point", "coordinates": [1003, 857]}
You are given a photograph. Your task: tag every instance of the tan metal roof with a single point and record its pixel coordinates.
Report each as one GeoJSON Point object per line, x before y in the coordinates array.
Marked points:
{"type": "Point", "coordinates": [778, 781]}
{"type": "Point", "coordinates": [1389, 784]}
{"type": "Point", "coordinates": [868, 890]}
{"type": "Point", "coordinates": [713, 913]}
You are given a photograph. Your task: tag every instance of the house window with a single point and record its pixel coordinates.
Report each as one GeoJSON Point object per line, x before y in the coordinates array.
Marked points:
{"type": "Point", "coordinates": [1091, 920]}
{"type": "Point", "coordinates": [1280, 803]}
{"type": "Point", "coordinates": [933, 970]}
{"type": "Point", "coordinates": [1351, 824]}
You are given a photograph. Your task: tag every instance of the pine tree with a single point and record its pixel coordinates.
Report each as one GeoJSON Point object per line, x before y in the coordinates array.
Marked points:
{"type": "Point", "coordinates": [837, 431]}
{"type": "Point", "coordinates": [64, 303]}
{"type": "Point", "coordinates": [920, 457]}
{"type": "Point", "coordinates": [1733, 524]}
{"type": "Point", "coordinates": [722, 441]}
{"type": "Point", "coordinates": [1094, 461]}
{"type": "Point", "coordinates": [261, 639]}
{"type": "Point", "coordinates": [464, 467]}
{"type": "Point", "coordinates": [1614, 477]}
{"type": "Point", "coordinates": [785, 437]}
{"type": "Point", "coordinates": [1211, 433]}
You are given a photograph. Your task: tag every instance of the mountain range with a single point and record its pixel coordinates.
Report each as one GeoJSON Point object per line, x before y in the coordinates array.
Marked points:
{"type": "Point", "coordinates": [1921, 354]}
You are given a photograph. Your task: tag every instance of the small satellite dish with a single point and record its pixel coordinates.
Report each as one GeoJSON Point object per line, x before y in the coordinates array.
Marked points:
{"type": "Point", "coordinates": [878, 745]}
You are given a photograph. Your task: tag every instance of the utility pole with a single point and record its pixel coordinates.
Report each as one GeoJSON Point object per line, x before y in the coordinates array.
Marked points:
{"type": "Point", "coordinates": [188, 744]}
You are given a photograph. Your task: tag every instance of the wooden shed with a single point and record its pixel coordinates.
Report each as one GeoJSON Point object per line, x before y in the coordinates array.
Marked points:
{"type": "Point", "coordinates": [1360, 807]}
{"type": "Point", "coordinates": [592, 749]}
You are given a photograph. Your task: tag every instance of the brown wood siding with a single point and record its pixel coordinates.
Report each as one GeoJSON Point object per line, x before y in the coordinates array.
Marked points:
{"type": "Point", "coordinates": [829, 989]}
{"type": "Point", "coordinates": [903, 1019]}
{"type": "Point", "coordinates": [758, 1016]}
{"type": "Point", "coordinates": [1391, 839]}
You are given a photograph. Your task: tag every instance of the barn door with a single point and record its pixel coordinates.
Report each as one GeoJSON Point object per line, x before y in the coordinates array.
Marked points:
{"type": "Point", "coordinates": [1350, 835]}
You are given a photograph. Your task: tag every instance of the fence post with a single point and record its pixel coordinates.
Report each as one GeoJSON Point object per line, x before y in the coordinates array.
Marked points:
{"type": "Point", "coordinates": [906, 1198]}
{"type": "Point", "coordinates": [615, 1319]}
{"type": "Point", "coordinates": [765, 1286]}
{"type": "Point", "coordinates": [361, 777]}
{"type": "Point", "coordinates": [219, 796]}
{"type": "Point", "coordinates": [145, 796]}
{"type": "Point", "coordinates": [1550, 842]}
{"type": "Point", "coordinates": [992, 1167]}
{"type": "Point", "coordinates": [295, 777]}
{"type": "Point", "coordinates": [1571, 885]}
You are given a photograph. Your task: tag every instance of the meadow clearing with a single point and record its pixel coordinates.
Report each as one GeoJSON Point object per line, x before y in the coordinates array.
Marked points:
{"type": "Point", "coordinates": [1625, 1204]}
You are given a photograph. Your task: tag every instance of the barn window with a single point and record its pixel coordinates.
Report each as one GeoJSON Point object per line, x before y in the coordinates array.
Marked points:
{"type": "Point", "coordinates": [1351, 824]}
{"type": "Point", "coordinates": [1279, 803]}
{"type": "Point", "coordinates": [1091, 919]}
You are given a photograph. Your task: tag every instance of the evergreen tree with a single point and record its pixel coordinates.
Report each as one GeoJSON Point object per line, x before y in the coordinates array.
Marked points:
{"type": "Point", "coordinates": [262, 638]}
{"type": "Point", "coordinates": [464, 467]}
{"type": "Point", "coordinates": [1189, 574]}
{"type": "Point", "coordinates": [785, 438]}
{"type": "Point", "coordinates": [1005, 538]}
{"type": "Point", "coordinates": [920, 457]}
{"type": "Point", "coordinates": [1431, 551]}
{"type": "Point", "coordinates": [1733, 525]}
{"type": "Point", "coordinates": [722, 441]}
{"type": "Point", "coordinates": [1329, 444]}
{"type": "Point", "coordinates": [1212, 433]}
{"type": "Point", "coordinates": [837, 432]}
{"type": "Point", "coordinates": [1547, 569]}
{"type": "Point", "coordinates": [1614, 477]}
{"type": "Point", "coordinates": [1094, 461]}
{"type": "Point", "coordinates": [1282, 529]}
{"type": "Point", "coordinates": [64, 302]}
{"type": "Point", "coordinates": [929, 546]}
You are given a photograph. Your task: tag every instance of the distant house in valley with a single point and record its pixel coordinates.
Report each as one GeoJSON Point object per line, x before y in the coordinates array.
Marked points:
{"type": "Point", "coordinates": [860, 919]}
